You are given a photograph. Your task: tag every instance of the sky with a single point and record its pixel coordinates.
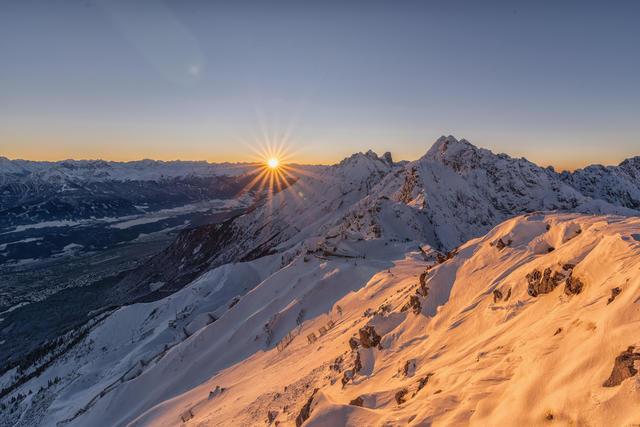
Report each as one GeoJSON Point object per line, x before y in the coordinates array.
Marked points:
{"type": "Point", "coordinates": [557, 82]}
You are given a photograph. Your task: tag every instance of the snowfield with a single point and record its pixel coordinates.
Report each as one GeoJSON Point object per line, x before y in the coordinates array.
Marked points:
{"type": "Point", "coordinates": [477, 349]}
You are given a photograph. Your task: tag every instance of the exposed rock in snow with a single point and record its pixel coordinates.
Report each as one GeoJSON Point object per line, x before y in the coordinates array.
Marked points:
{"type": "Point", "coordinates": [614, 293]}
{"type": "Point", "coordinates": [573, 285]}
{"type": "Point", "coordinates": [350, 246]}
{"type": "Point", "coordinates": [306, 410]}
{"type": "Point", "coordinates": [623, 367]}
{"type": "Point", "coordinates": [454, 193]}
{"type": "Point", "coordinates": [358, 401]}
{"type": "Point", "coordinates": [368, 337]}
{"type": "Point", "coordinates": [528, 348]}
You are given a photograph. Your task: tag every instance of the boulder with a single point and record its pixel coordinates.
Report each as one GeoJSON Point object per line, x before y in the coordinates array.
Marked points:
{"type": "Point", "coordinates": [622, 367]}
{"type": "Point", "coordinates": [497, 295]}
{"type": "Point", "coordinates": [368, 337]}
{"type": "Point", "coordinates": [614, 293]}
{"type": "Point", "coordinates": [401, 396]}
{"type": "Point", "coordinates": [358, 401]}
{"type": "Point", "coordinates": [305, 411]}
{"type": "Point", "coordinates": [573, 286]}
{"type": "Point", "coordinates": [353, 343]}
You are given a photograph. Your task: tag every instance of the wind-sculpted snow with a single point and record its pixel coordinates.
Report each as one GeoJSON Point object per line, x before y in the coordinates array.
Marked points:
{"type": "Point", "coordinates": [464, 287]}
{"type": "Point", "coordinates": [307, 207]}
{"type": "Point", "coordinates": [452, 194]}
{"type": "Point", "coordinates": [479, 350]}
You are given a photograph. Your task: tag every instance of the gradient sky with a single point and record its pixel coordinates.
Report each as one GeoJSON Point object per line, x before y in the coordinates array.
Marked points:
{"type": "Point", "coordinates": [555, 81]}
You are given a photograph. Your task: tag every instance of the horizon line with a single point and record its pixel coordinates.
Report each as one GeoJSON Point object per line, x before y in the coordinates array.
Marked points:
{"type": "Point", "coordinates": [558, 169]}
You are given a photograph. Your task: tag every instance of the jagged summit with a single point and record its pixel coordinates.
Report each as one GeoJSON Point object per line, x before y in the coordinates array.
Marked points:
{"type": "Point", "coordinates": [370, 281]}
{"type": "Point", "coordinates": [368, 156]}
{"type": "Point", "coordinates": [448, 146]}
{"type": "Point", "coordinates": [631, 166]}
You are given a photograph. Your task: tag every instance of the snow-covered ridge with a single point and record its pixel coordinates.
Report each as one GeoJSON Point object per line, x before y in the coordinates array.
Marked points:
{"type": "Point", "coordinates": [71, 190]}
{"type": "Point", "coordinates": [456, 290]}
{"type": "Point", "coordinates": [452, 194]}
{"type": "Point", "coordinates": [101, 170]}
{"type": "Point", "coordinates": [398, 337]}
{"type": "Point", "coordinates": [616, 184]}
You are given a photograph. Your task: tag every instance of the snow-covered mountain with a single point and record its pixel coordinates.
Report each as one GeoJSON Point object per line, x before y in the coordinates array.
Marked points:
{"type": "Point", "coordinates": [100, 170]}
{"type": "Point", "coordinates": [458, 191]}
{"type": "Point", "coordinates": [619, 185]}
{"type": "Point", "coordinates": [499, 333]}
{"type": "Point", "coordinates": [454, 193]}
{"type": "Point", "coordinates": [365, 293]}
{"type": "Point", "coordinates": [306, 208]}
{"type": "Point", "coordinates": [36, 192]}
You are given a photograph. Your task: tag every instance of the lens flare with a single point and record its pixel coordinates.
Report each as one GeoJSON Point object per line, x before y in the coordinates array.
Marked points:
{"type": "Point", "coordinates": [273, 163]}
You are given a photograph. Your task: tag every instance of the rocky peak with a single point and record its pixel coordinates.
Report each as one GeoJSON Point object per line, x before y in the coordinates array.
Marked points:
{"type": "Point", "coordinates": [631, 166]}
{"type": "Point", "coordinates": [387, 158]}
{"type": "Point", "coordinates": [367, 161]}
{"type": "Point", "coordinates": [457, 154]}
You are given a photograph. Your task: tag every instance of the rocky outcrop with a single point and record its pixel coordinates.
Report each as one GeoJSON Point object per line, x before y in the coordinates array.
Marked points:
{"type": "Point", "coordinates": [368, 337]}
{"type": "Point", "coordinates": [358, 401]}
{"type": "Point", "coordinates": [614, 293]}
{"type": "Point", "coordinates": [573, 286]}
{"type": "Point", "coordinates": [497, 295]}
{"type": "Point", "coordinates": [357, 364]}
{"type": "Point", "coordinates": [423, 381]}
{"type": "Point", "coordinates": [305, 411]}
{"type": "Point", "coordinates": [413, 304]}
{"type": "Point", "coordinates": [543, 283]}
{"type": "Point", "coordinates": [623, 367]}
{"type": "Point", "coordinates": [400, 396]}
{"type": "Point", "coordinates": [501, 244]}
{"type": "Point", "coordinates": [353, 343]}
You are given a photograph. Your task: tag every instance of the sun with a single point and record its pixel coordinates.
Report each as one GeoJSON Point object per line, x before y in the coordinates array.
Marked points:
{"type": "Point", "coordinates": [273, 163]}
{"type": "Point", "coordinates": [272, 170]}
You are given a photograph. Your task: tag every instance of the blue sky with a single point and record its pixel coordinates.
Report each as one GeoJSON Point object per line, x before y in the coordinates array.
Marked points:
{"type": "Point", "coordinates": [556, 82]}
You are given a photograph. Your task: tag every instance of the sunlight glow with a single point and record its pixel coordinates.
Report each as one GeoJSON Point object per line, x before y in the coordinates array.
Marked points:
{"type": "Point", "coordinates": [274, 174]}
{"type": "Point", "coordinates": [273, 163]}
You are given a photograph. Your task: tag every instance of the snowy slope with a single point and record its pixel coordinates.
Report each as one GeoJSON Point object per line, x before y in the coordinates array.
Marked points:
{"type": "Point", "coordinates": [458, 191]}
{"type": "Point", "coordinates": [316, 198]}
{"type": "Point", "coordinates": [344, 247]}
{"type": "Point", "coordinates": [477, 349]}
{"type": "Point", "coordinates": [454, 193]}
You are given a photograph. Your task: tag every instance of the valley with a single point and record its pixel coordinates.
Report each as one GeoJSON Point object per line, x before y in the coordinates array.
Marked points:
{"type": "Point", "coordinates": [363, 291]}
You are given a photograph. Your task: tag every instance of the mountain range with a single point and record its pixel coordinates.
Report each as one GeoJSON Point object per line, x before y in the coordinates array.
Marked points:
{"type": "Point", "coordinates": [462, 287]}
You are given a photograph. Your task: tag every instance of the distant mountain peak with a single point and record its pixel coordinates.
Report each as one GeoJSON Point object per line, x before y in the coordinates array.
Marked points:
{"type": "Point", "coordinates": [447, 147]}
{"type": "Point", "coordinates": [360, 157]}
{"type": "Point", "coordinates": [631, 166]}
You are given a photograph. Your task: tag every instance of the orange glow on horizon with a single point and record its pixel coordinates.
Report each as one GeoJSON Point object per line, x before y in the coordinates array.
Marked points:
{"type": "Point", "coordinates": [273, 163]}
